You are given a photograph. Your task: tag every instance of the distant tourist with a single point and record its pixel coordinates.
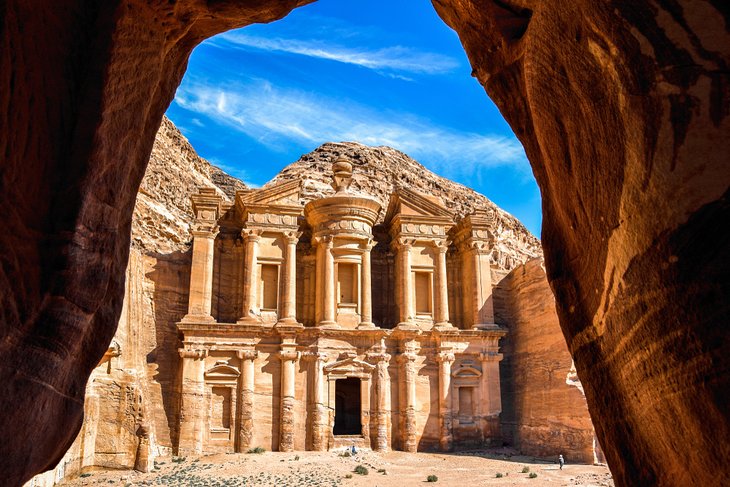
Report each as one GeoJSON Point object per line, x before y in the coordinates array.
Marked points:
{"type": "Point", "coordinates": [354, 450]}
{"type": "Point", "coordinates": [561, 461]}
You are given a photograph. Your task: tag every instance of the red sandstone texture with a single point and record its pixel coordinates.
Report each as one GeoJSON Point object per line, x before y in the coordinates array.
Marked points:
{"type": "Point", "coordinates": [622, 108]}
{"type": "Point", "coordinates": [623, 111]}
{"type": "Point", "coordinates": [544, 411]}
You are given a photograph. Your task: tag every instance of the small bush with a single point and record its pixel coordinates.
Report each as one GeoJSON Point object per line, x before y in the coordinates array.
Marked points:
{"type": "Point", "coordinates": [257, 450]}
{"type": "Point", "coordinates": [499, 475]}
{"type": "Point", "coordinates": [525, 469]}
{"type": "Point", "coordinates": [345, 453]}
{"type": "Point", "coordinates": [84, 475]}
{"type": "Point", "coordinates": [533, 475]}
{"type": "Point", "coordinates": [432, 478]}
{"type": "Point", "coordinates": [296, 458]}
{"type": "Point", "coordinates": [381, 470]}
{"type": "Point", "coordinates": [361, 470]}
{"type": "Point", "coordinates": [348, 476]}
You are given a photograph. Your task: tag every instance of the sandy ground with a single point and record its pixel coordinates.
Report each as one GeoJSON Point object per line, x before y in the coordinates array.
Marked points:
{"type": "Point", "coordinates": [329, 469]}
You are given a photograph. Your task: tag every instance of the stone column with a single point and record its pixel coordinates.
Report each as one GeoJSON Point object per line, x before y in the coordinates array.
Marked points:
{"type": "Point", "coordinates": [288, 359]}
{"type": "Point", "coordinates": [366, 300]}
{"type": "Point", "coordinates": [201, 274]}
{"type": "Point", "coordinates": [408, 408]}
{"type": "Point", "coordinates": [319, 411]}
{"type": "Point", "coordinates": [481, 306]}
{"type": "Point", "coordinates": [250, 276]}
{"type": "Point", "coordinates": [382, 395]}
{"type": "Point", "coordinates": [445, 359]}
{"type": "Point", "coordinates": [289, 281]}
{"type": "Point", "coordinates": [441, 316]}
{"type": "Point", "coordinates": [246, 395]}
{"type": "Point", "coordinates": [328, 288]}
{"type": "Point", "coordinates": [193, 410]}
{"type": "Point", "coordinates": [405, 281]}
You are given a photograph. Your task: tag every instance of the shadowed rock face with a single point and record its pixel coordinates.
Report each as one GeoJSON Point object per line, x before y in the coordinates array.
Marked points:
{"type": "Point", "coordinates": [622, 108]}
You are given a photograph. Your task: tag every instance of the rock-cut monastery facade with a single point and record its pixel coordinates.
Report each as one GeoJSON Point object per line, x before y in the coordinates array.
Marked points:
{"type": "Point", "coordinates": [348, 332]}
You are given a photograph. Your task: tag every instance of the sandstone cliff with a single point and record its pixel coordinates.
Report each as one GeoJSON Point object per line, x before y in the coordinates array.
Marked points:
{"type": "Point", "coordinates": [377, 171]}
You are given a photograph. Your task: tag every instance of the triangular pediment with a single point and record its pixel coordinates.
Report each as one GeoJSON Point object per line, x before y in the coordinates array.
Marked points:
{"type": "Point", "coordinates": [406, 201]}
{"type": "Point", "coordinates": [287, 193]}
{"type": "Point", "coordinates": [349, 366]}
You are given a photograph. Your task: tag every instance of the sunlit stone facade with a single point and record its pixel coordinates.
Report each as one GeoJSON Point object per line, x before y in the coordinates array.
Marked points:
{"type": "Point", "coordinates": [338, 322]}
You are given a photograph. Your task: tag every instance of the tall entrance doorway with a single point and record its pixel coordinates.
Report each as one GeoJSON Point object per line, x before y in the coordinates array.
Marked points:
{"type": "Point", "coordinates": [347, 407]}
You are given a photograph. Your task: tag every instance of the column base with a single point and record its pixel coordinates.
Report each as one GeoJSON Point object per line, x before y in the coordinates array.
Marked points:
{"type": "Point", "coordinates": [328, 325]}
{"type": "Point", "coordinates": [486, 326]}
{"type": "Point", "coordinates": [288, 323]}
{"type": "Point", "coordinates": [366, 325]}
{"type": "Point", "coordinates": [444, 326]}
{"type": "Point", "coordinates": [407, 326]}
{"type": "Point", "coordinates": [197, 319]}
{"type": "Point", "coordinates": [249, 320]}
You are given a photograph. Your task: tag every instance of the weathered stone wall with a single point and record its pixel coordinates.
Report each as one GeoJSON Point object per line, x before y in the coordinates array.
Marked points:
{"type": "Point", "coordinates": [542, 414]}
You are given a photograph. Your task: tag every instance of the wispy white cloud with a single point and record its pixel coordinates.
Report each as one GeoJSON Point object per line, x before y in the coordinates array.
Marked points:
{"type": "Point", "coordinates": [384, 59]}
{"type": "Point", "coordinates": [276, 117]}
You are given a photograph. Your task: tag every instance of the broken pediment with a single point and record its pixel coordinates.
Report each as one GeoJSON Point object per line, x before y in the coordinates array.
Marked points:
{"type": "Point", "coordinates": [414, 205]}
{"type": "Point", "coordinates": [287, 193]}
{"type": "Point", "coordinates": [466, 372]}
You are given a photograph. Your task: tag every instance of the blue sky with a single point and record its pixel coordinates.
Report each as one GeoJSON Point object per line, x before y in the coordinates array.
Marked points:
{"type": "Point", "coordinates": [377, 72]}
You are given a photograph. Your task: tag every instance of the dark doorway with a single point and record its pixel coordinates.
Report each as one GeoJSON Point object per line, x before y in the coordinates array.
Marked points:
{"type": "Point", "coordinates": [347, 407]}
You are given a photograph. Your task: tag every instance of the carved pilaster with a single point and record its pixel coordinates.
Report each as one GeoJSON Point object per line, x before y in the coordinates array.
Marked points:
{"type": "Point", "coordinates": [192, 400]}
{"type": "Point", "coordinates": [407, 362]}
{"type": "Point", "coordinates": [251, 238]}
{"type": "Point", "coordinates": [319, 414]}
{"type": "Point", "coordinates": [445, 359]}
{"type": "Point", "coordinates": [383, 401]}
{"type": "Point", "coordinates": [288, 359]}
{"type": "Point", "coordinates": [246, 399]}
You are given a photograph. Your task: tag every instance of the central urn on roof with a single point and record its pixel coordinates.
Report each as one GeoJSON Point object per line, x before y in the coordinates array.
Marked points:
{"type": "Point", "coordinates": [342, 230]}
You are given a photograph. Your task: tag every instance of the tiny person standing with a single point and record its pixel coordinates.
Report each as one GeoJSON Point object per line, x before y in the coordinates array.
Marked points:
{"type": "Point", "coordinates": [561, 461]}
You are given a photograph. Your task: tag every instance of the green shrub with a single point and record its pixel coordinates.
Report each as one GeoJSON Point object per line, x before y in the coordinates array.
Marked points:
{"type": "Point", "coordinates": [525, 469]}
{"type": "Point", "coordinates": [84, 475]}
{"type": "Point", "coordinates": [348, 476]}
{"type": "Point", "coordinates": [361, 470]}
{"type": "Point", "coordinates": [258, 449]}
{"type": "Point", "coordinates": [499, 475]}
{"type": "Point", "coordinates": [296, 458]}
{"type": "Point", "coordinates": [533, 475]}
{"type": "Point", "coordinates": [345, 453]}
{"type": "Point", "coordinates": [432, 478]}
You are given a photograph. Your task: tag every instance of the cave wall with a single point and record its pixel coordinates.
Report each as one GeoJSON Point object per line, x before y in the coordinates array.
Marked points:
{"type": "Point", "coordinates": [544, 411]}
{"type": "Point", "coordinates": [622, 108]}
{"type": "Point", "coordinates": [623, 111]}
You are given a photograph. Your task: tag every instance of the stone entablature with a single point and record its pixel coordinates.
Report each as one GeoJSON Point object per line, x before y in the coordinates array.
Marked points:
{"type": "Point", "coordinates": [307, 280]}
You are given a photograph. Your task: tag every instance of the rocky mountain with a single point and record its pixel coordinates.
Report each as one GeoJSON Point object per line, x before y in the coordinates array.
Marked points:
{"type": "Point", "coordinates": [378, 170]}
{"type": "Point", "coordinates": [162, 214]}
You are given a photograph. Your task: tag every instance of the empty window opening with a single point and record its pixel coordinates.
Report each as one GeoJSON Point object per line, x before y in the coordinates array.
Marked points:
{"type": "Point", "coordinates": [220, 408]}
{"type": "Point", "coordinates": [269, 286]}
{"type": "Point", "coordinates": [347, 407]}
{"type": "Point", "coordinates": [423, 292]}
{"type": "Point", "coordinates": [347, 283]}
{"type": "Point", "coordinates": [466, 401]}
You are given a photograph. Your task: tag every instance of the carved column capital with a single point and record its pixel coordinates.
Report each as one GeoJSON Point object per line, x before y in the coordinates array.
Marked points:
{"type": "Point", "coordinates": [247, 354]}
{"type": "Point", "coordinates": [313, 356]}
{"type": "Point", "coordinates": [403, 243]}
{"type": "Point", "coordinates": [442, 246]}
{"type": "Point", "coordinates": [285, 355]}
{"type": "Point", "coordinates": [251, 234]}
{"type": "Point", "coordinates": [377, 357]}
{"type": "Point", "coordinates": [406, 358]}
{"type": "Point", "coordinates": [445, 357]}
{"type": "Point", "coordinates": [204, 229]}
{"type": "Point", "coordinates": [292, 237]}
{"type": "Point", "coordinates": [326, 240]}
{"type": "Point", "coordinates": [195, 354]}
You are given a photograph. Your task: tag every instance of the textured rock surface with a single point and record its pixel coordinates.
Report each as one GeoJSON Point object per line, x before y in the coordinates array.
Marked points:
{"type": "Point", "coordinates": [623, 111]}
{"type": "Point", "coordinates": [379, 169]}
{"type": "Point", "coordinates": [544, 411]}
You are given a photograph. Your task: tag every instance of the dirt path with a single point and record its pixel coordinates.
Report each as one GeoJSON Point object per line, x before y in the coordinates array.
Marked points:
{"type": "Point", "coordinates": [329, 469]}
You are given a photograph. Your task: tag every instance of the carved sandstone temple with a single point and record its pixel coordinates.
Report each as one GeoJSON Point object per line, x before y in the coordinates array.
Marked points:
{"type": "Point", "coordinates": [333, 326]}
